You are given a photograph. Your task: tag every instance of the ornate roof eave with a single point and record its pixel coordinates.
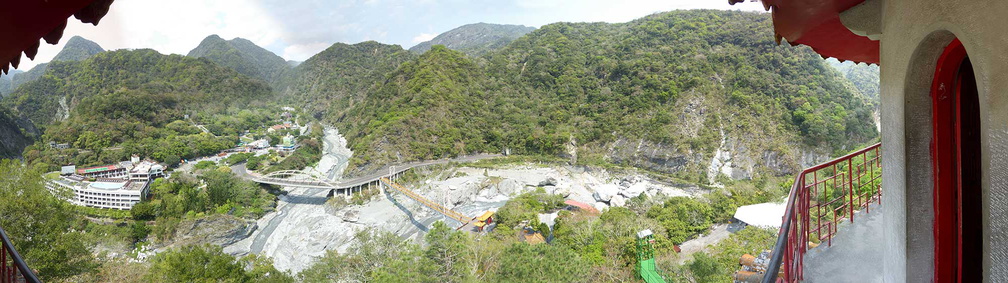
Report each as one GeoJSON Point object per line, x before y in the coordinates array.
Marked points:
{"type": "Point", "coordinates": [844, 29]}
{"type": "Point", "coordinates": [24, 23]}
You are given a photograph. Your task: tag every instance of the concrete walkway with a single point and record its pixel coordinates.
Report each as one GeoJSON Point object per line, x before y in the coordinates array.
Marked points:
{"type": "Point", "coordinates": [856, 253]}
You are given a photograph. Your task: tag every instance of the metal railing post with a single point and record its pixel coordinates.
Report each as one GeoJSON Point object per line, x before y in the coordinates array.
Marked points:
{"type": "Point", "coordinates": [3, 262]}
{"type": "Point", "coordinates": [850, 187]}
{"type": "Point", "coordinates": [792, 241]}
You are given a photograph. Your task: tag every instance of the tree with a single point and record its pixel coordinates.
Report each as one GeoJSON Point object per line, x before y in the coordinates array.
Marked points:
{"type": "Point", "coordinates": [707, 269]}
{"type": "Point", "coordinates": [172, 160]}
{"type": "Point", "coordinates": [447, 248]}
{"type": "Point", "coordinates": [143, 211]}
{"type": "Point", "coordinates": [522, 262]}
{"type": "Point", "coordinates": [40, 225]}
{"type": "Point", "coordinates": [683, 217]}
{"type": "Point", "coordinates": [196, 264]}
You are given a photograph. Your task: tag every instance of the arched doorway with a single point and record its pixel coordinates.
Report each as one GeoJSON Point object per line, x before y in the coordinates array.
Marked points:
{"type": "Point", "coordinates": [955, 153]}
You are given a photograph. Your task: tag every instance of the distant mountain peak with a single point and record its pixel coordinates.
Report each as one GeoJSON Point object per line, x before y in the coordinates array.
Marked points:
{"type": "Point", "coordinates": [475, 39]}
{"type": "Point", "coordinates": [77, 49]}
{"type": "Point", "coordinates": [243, 56]}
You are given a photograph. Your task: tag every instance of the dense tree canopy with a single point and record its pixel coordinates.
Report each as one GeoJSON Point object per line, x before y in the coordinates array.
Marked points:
{"type": "Point", "coordinates": [41, 226]}
{"type": "Point", "coordinates": [682, 81]}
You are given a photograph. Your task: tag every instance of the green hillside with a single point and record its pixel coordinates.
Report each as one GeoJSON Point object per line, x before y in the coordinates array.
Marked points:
{"type": "Point", "coordinates": [864, 77]}
{"type": "Point", "coordinates": [76, 49]}
{"type": "Point", "coordinates": [243, 56]}
{"type": "Point", "coordinates": [131, 99]}
{"type": "Point", "coordinates": [336, 78]}
{"type": "Point", "coordinates": [664, 92]}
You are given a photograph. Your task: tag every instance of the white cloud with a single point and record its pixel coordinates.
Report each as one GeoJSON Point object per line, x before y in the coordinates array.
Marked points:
{"type": "Point", "coordinates": [169, 26]}
{"type": "Point", "coordinates": [303, 51]}
{"type": "Point", "coordinates": [297, 29]}
{"type": "Point", "coordinates": [423, 37]}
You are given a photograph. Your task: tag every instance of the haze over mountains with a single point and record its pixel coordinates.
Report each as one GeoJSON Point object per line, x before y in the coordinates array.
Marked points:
{"type": "Point", "coordinates": [475, 39]}
{"type": "Point", "coordinates": [695, 94]}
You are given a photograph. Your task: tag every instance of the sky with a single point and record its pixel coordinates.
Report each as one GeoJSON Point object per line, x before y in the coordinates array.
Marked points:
{"type": "Point", "coordinates": [298, 29]}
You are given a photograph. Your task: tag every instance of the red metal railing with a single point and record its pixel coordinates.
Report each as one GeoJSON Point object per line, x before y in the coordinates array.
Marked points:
{"type": "Point", "coordinates": [12, 267]}
{"type": "Point", "coordinates": [821, 197]}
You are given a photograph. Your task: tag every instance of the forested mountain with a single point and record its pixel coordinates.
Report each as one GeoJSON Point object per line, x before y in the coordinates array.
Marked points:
{"type": "Point", "coordinates": [76, 49]}
{"type": "Point", "coordinates": [5, 83]}
{"type": "Point", "coordinates": [676, 92]}
{"type": "Point", "coordinates": [243, 56]}
{"type": "Point", "coordinates": [692, 93]}
{"type": "Point", "coordinates": [15, 133]}
{"type": "Point", "coordinates": [475, 39]}
{"type": "Point", "coordinates": [129, 98]}
{"type": "Point", "coordinates": [864, 77]}
{"type": "Point", "coordinates": [334, 79]}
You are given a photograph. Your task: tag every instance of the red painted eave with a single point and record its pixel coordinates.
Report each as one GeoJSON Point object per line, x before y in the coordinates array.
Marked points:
{"type": "Point", "coordinates": [23, 23]}
{"type": "Point", "coordinates": [816, 23]}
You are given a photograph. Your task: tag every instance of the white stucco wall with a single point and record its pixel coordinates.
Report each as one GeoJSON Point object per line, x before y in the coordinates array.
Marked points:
{"type": "Point", "coordinates": [914, 32]}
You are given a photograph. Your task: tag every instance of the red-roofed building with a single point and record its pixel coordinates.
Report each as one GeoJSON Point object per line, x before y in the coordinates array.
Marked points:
{"type": "Point", "coordinates": [104, 171]}
{"type": "Point", "coordinates": [581, 206]}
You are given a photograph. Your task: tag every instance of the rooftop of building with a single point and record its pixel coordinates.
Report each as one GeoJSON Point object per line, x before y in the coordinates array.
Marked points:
{"type": "Point", "coordinates": [96, 169]}
{"type": "Point", "coordinates": [102, 184]}
{"type": "Point", "coordinates": [146, 167]}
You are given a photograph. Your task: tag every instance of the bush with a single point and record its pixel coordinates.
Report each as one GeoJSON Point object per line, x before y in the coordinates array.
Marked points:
{"type": "Point", "coordinates": [527, 206]}
{"type": "Point", "coordinates": [707, 269]}
{"type": "Point", "coordinates": [139, 231]}
{"type": "Point", "coordinates": [143, 211]}
{"type": "Point", "coordinates": [172, 160]}
{"type": "Point", "coordinates": [205, 164]}
{"type": "Point", "coordinates": [196, 264]}
{"type": "Point", "coordinates": [683, 217]}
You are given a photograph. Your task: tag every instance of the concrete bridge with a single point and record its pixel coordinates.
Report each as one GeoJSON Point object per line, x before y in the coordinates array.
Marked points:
{"type": "Point", "coordinates": [316, 180]}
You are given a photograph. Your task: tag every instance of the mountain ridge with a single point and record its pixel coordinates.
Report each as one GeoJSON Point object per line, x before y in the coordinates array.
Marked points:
{"type": "Point", "coordinates": [657, 93]}
{"type": "Point", "coordinates": [243, 56]}
{"type": "Point", "coordinates": [475, 39]}
{"type": "Point", "coordinates": [76, 49]}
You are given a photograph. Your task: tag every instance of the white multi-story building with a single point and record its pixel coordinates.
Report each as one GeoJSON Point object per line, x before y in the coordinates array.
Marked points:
{"type": "Point", "coordinates": [118, 186]}
{"type": "Point", "coordinates": [146, 171]}
{"type": "Point", "coordinates": [112, 195]}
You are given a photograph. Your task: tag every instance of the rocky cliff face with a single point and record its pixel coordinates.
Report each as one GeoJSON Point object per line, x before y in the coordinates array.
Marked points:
{"type": "Point", "coordinates": [220, 230]}
{"type": "Point", "coordinates": [16, 133]}
{"type": "Point", "coordinates": [733, 158]}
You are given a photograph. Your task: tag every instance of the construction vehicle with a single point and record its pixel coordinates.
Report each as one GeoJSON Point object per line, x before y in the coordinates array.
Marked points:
{"type": "Point", "coordinates": [645, 258]}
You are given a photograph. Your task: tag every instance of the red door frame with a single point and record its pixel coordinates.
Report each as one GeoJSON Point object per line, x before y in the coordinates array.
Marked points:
{"type": "Point", "coordinates": [951, 174]}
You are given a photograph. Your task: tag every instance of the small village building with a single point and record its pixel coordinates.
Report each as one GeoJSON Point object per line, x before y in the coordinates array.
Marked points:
{"type": "Point", "coordinates": [288, 143]}
{"type": "Point", "coordinates": [258, 144]}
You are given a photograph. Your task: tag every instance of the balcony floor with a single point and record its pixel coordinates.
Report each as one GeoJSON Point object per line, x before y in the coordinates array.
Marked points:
{"type": "Point", "coordinates": [856, 253]}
